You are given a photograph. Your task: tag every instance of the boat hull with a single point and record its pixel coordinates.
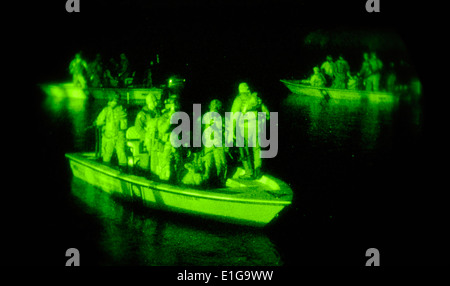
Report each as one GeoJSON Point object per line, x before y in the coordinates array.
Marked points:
{"type": "Point", "coordinates": [129, 95]}
{"type": "Point", "coordinates": [333, 93]}
{"type": "Point", "coordinates": [253, 203]}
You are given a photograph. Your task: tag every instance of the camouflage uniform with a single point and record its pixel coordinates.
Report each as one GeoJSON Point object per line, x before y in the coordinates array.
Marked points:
{"type": "Point", "coordinates": [77, 67]}
{"type": "Point", "coordinates": [340, 73]}
{"type": "Point", "coordinates": [373, 81]}
{"type": "Point", "coordinates": [247, 102]}
{"type": "Point", "coordinates": [113, 119]}
{"type": "Point", "coordinates": [214, 156]}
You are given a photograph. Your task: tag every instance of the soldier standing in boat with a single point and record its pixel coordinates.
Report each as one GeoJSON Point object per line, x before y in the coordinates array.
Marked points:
{"type": "Point", "coordinates": [148, 111]}
{"type": "Point", "coordinates": [77, 68]}
{"type": "Point", "coordinates": [165, 162]}
{"type": "Point", "coordinates": [113, 121]}
{"type": "Point", "coordinates": [375, 65]}
{"type": "Point", "coordinates": [327, 69]}
{"type": "Point", "coordinates": [124, 69]}
{"type": "Point", "coordinates": [148, 81]}
{"type": "Point", "coordinates": [340, 73]}
{"type": "Point", "coordinates": [96, 72]}
{"type": "Point", "coordinates": [365, 72]}
{"type": "Point", "coordinates": [214, 156]}
{"type": "Point", "coordinates": [147, 120]}
{"type": "Point", "coordinates": [209, 167]}
{"type": "Point", "coordinates": [248, 102]}
{"type": "Point", "coordinates": [143, 130]}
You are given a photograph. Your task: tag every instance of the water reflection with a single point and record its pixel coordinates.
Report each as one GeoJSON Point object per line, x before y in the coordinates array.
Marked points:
{"type": "Point", "coordinates": [130, 238]}
{"type": "Point", "coordinates": [342, 121]}
{"type": "Point", "coordinates": [67, 104]}
{"type": "Point", "coordinates": [63, 96]}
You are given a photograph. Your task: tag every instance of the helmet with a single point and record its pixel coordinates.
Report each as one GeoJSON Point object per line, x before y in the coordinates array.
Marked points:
{"type": "Point", "coordinates": [215, 105]}
{"type": "Point", "coordinates": [150, 100]}
{"type": "Point", "coordinates": [113, 96]}
{"type": "Point", "coordinates": [243, 88]}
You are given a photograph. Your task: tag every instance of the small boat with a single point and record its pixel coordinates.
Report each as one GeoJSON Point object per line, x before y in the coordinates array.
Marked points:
{"type": "Point", "coordinates": [297, 87]}
{"type": "Point", "coordinates": [131, 95]}
{"type": "Point", "coordinates": [247, 202]}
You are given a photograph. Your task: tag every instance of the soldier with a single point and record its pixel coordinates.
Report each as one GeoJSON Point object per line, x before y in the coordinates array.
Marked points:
{"type": "Point", "coordinates": [149, 110]}
{"type": "Point", "coordinates": [373, 81]}
{"type": "Point", "coordinates": [214, 156]}
{"type": "Point", "coordinates": [143, 130]}
{"type": "Point", "coordinates": [110, 74]}
{"type": "Point", "coordinates": [327, 69]}
{"type": "Point", "coordinates": [113, 120]}
{"type": "Point", "coordinates": [365, 72]}
{"type": "Point", "coordinates": [352, 83]}
{"type": "Point", "coordinates": [317, 79]}
{"type": "Point", "coordinates": [248, 102]}
{"type": "Point", "coordinates": [148, 81]}
{"type": "Point", "coordinates": [164, 160]}
{"type": "Point", "coordinates": [77, 68]}
{"type": "Point", "coordinates": [340, 73]}
{"type": "Point", "coordinates": [391, 78]}
{"type": "Point", "coordinates": [124, 70]}
{"type": "Point", "coordinates": [96, 71]}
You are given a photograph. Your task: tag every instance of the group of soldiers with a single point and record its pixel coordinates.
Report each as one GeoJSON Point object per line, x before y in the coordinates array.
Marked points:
{"type": "Point", "coordinates": [112, 74]}
{"type": "Point", "coordinates": [336, 74]}
{"type": "Point", "coordinates": [159, 158]}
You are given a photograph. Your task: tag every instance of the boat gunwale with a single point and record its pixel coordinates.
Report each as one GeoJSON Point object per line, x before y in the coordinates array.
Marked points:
{"type": "Point", "coordinates": [118, 89]}
{"type": "Point", "coordinates": [144, 182]}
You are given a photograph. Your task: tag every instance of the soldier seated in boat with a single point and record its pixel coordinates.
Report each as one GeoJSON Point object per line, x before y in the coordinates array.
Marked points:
{"type": "Point", "coordinates": [317, 79]}
{"type": "Point", "coordinates": [352, 83]}
{"type": "Point", "coordinates": [113, 121]}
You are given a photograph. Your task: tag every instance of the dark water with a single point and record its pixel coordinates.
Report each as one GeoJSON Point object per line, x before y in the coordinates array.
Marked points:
{"type": "Point", "coordinates": [352, 166]}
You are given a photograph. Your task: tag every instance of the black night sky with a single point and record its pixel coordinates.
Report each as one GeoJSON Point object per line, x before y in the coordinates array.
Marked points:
{"type": "Point", "coordinates": [223, 40]}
